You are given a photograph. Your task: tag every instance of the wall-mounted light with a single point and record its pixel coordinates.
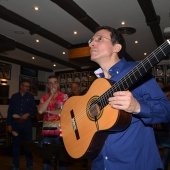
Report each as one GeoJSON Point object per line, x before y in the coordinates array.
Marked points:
{"type": "Point", "coordinates": [3, 82]}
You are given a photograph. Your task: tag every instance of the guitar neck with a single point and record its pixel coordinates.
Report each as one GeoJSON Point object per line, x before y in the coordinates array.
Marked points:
{"type": "Point", "coordinates": [136, 73]}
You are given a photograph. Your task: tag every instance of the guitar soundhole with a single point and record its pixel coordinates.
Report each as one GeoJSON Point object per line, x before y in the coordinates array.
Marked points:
{"type": "Point", "coordinates": [93, 109]}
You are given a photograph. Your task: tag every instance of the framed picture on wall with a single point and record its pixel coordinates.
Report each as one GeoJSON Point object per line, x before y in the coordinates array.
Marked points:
{"type": "Point", "coordinates": [84, 86]}
{"type": "Point", "coordinates": [42, 86]}
{"type": "Point", "coordinates": [84, 76]}
{"type": "Point", "coordinates": [29, 71]}
{"type": "Point", "coordinates": [5, 70]}
{"type": "Point", "coordinates": [92, 76]}
{"type": "Point", "coordinates": [69, 77]}
{"type": "Point", "coordinates": [77, 77]}
{"type": "Point", "coordinates": [62, 78]}
{"type": "Point", "coordinates": [68, 90]}
{"type": "Point", "coordinates": [167, 68]}
{"type": "Point", "coordinates": [63, 88]}
{"type": "Point", "coordinates": [159, 70]}
{"type": "Point", "coordinates": [34, 84]}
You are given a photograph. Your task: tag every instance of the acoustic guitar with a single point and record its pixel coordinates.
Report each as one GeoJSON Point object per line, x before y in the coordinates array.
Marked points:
{"type": "Point", "coordinates": [87, 120]}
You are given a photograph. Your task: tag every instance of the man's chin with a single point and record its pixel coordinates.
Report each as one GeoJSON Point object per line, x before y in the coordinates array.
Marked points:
{"type": "Point", "coordinates": [93, 58]}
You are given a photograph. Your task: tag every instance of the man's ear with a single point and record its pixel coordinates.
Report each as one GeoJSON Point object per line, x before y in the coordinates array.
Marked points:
{"type": "Point", "coordinates": [117, 48]}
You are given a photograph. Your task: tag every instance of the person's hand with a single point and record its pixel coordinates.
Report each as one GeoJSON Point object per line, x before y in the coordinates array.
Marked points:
{"type": "Point", "coordinates": [10, 130]}
{"type": "Point", "coordinates": [16, 116]}
{"type": "Point", "coordinates": [53, 91]}
{"type": "Point", "coordinates": [25, 116]}
{"type": "Point", "coordinates": [124, 100]}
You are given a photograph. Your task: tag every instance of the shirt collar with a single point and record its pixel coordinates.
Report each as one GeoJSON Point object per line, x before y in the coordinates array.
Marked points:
{"type": "Point", "coordinates": [114, 70]}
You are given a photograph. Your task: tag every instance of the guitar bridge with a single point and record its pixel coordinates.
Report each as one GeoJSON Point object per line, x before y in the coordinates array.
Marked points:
{"type": "Point", "coordinates": [74, 125]}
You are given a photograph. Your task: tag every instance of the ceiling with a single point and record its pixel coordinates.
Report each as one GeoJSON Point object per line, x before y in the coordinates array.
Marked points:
{"type": "Point", "coordinates": [56, 20]}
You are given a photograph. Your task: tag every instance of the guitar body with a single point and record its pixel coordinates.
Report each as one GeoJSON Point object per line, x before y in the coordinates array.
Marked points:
{"type": "Point", "coordinates": [87, 120]}
{"type": "Point", "coordinates": [85, 130]}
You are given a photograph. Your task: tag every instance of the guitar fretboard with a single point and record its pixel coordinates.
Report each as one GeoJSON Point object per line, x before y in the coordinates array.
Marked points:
{"type": "Point", "coordinates": [136, 73]}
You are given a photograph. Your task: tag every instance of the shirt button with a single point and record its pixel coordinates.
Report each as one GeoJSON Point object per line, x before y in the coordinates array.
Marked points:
{"type": "Point", "coordinates": [106, 157]}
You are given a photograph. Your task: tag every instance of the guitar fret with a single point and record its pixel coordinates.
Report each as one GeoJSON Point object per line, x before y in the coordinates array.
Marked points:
{"type": "Point", "coordinates": [104, 102]}
{"type": "Point", "coordinates": [117, 87]}
{"type": "Point", "coordinates": [162, 51]}
{"type": "Point", "coordinates": [122, 85]}
{"type": "Point", "coordinates": [134, 75]}
{"type": "Point", "coordinates": [155, 56]}
{"type": "Point", "coordinates": [149, 62]}
{"type": "Point", "coordinates": [126, 84]}
{"type": "Point", "coordinates": [130, 79]}
{"type": "Point", "coordinates": [143, 66]}
{"type": "Point", "coordinates": [139, 71]}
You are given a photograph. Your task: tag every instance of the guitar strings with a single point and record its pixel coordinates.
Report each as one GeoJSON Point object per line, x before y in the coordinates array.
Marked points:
{"type": "Point", "coordinates": [117, 84]}
{"type": "Point", "coordinates": [134, 70]}
{"type": "Point", "coordinates": [80, 117]}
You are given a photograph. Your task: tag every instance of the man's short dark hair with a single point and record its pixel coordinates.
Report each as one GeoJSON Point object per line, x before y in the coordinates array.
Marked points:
{"type": "Point", "coordinates": [116, 37]}
{"type": "Point", "coordinates": [25, 81]}
{"type": "Point", "coordinates": [53, 76]}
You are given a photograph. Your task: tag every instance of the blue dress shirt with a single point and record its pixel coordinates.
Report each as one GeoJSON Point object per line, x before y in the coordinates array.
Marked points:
{"type": "Point", "coordinates": [135, 148]}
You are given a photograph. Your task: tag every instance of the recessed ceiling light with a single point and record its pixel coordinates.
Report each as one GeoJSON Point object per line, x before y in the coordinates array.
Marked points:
{"type": "Point", "coordinates": [75, 32]}
{"type": "Point", "coordinates": [36, 8]}
{"type": "Point", "coordinates": [64, 52]}
{"type": "Point", "coordinates": [136, 42]}
{"type": "Point", "coordinates": [123, 22]}
{"type": "Point", "coordinates": [37, 40]}
{"type": "Point", "coordinates": [126, 30]}
{"type": "Point", "coordinates": [145, 53]}
{"type": "Point", "coordinates": [33, 58]}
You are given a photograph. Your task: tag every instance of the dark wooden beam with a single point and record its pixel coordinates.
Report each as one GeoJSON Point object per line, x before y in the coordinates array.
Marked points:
{"type": "Point", "coordinates": [74, 10]}
{"type": "Point", "coordinates": [40, 54]}
{"type": "Point", "coordinates": [152, 20]}
{"type": "Point", "coordinates": [46, 56]}
{"type": "Point", "coordinates": [11, 60]}
{"type": "Point", "coordinates": [33, 28]}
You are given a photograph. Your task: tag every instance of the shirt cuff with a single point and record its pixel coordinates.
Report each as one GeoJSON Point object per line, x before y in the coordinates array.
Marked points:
{"type": "Point", "coordinates": [144, 110]}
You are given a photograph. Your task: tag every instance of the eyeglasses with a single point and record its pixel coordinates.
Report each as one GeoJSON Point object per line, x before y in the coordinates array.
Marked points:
{"type": "Point", "coordinates": [98, 38]}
